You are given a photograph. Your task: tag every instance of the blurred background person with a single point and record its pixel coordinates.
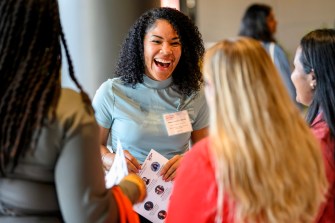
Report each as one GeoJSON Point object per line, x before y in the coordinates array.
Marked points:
{"type": "Point", "coordinates": [50, 164]}
{"type": "Point", "coordinates": [259, 22]}
{"type": "Point", "coordinates": [314, 79]}
{"type": "Point", "coordinates": [260, 162]}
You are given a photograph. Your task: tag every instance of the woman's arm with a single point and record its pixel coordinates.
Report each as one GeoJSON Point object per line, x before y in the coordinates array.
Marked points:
{"type": "Point", "coordinates": [197, 135]}
{"type": "Point", "coordinates": [108, 157]}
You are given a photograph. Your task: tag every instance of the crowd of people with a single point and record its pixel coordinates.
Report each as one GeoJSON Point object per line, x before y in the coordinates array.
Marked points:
{"type": "Point", "coordinates": [226, 119]}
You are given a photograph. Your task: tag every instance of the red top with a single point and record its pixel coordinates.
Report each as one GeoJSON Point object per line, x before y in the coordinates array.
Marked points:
{"type": "Point", "coordinates": [195, 178]}
{"type": "Point", "coordinates": [194, 196]}
{"type": "Point", "coordinates": [322, 132]}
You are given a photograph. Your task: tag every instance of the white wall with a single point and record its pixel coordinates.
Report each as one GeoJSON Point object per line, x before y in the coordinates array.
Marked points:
{"type": "Point", "coordinates": [218, 19]}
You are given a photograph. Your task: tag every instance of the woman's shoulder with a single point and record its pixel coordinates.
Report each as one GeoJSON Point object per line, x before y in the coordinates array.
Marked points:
{"type": "Point", "coordinates": [199, 151]}
{"type": "Point", "coordinates": [69, 97]}
{"type": "Point", "coordinates": [277, 54]}
{"type": "Point", "coordinates": [72, 108]}
{"type": "Point", "coordinates": [275, 45]}
{"type": "Point", "coordinates": [109, 89]}
{"type": "Point", "coordinates": [113, 84]}
{"type": "Point", "coordinates": [320, 127]}
{"type": "Point", "coordinates": [198, 95]}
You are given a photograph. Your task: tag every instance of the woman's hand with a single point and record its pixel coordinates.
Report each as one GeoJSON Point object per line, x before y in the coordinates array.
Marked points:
{"type": "Point", "coordinates": [107, 160]}
{"type": "Point", "coordinates": [108, 157]}
{"type": "Point", "coordinates": [168, 172]}
{"type": "Point", "coordinates": [132, 164]}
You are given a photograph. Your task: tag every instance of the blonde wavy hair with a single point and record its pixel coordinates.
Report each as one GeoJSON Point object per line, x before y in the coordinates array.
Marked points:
{"type": "Point", "coordinates": [267, 160]}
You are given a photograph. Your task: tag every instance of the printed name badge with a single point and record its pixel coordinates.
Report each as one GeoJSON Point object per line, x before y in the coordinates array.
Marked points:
{"type": "Point", "coordinates": [177, 123]}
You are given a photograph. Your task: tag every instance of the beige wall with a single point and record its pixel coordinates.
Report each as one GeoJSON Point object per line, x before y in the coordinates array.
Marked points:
{"type": "Point", "coordinates": [218, 19]}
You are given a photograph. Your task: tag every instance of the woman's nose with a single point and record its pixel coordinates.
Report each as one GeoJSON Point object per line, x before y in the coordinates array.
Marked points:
{"type": "Point", "coordinates": [166, 49]}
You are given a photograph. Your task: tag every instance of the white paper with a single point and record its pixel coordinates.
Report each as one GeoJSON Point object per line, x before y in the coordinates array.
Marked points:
{"type": "Point", "coordinates": [154, 207]}
{"type": "Point", "coordinates": [119, 168]}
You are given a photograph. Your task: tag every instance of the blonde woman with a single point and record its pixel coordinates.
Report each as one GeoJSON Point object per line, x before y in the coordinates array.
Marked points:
{"type": "Point", "coordinates": [260, 163]}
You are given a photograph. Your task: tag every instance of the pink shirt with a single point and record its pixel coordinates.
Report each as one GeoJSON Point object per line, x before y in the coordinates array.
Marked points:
{"type": "Point", "coordinates": [322, 132]}
{"type": "Point", "coordinates": [194, 196]}
{"type": "Point", "coordinates": [195, 178]}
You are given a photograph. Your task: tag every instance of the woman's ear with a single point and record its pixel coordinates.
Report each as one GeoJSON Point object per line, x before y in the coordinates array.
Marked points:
{"type": "Point", "coordinates": [313, 80]}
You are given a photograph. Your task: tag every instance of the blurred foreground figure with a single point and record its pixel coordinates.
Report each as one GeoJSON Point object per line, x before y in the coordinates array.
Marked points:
{"type": "Point", "coordinates": [50, 165]}
{"type": "Point", "coordinates": [260, 162]}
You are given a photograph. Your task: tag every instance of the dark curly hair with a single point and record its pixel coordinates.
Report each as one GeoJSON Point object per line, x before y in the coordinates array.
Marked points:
{"type": "Point", "coordinates": [187, 76]}
{"type": "Point", "coordinates": [30, 61]}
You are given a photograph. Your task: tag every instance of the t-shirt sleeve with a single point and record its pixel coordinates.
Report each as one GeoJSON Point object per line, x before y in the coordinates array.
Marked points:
{"type": "Point", "coordinates": [79, 177]}
{"type": "Point", "coordinates": [202, 111]}
{"type": "Point", "coordinates": [103, 104]}
{"type": "Point", "coordinates": [322, 133]}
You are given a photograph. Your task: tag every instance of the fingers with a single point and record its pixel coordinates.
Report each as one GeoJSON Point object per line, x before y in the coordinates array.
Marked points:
{"type": "Point", "coordinates": [168, 172]}
{"type": "Point", "coordinates": [131, 167]}
{"type": "Point", "coordinates": [107, 160]}
{"type": "Point", "coordinates": [132, 163]}
{"type": "Point", "coordinates": [169, 177]}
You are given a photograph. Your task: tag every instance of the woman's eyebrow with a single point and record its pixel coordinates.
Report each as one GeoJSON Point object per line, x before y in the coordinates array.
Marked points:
{"type": "Point", "coordinates": [174, 38]}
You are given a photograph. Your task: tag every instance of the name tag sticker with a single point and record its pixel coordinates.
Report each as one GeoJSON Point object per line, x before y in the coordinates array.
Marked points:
{"type": "Point", "coordinates": [177, 123]}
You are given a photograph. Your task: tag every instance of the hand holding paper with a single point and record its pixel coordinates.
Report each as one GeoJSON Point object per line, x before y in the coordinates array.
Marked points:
{"type": "Point", "coordinates": [119, 168]}
{"type": "Point", "coordinates": [155, 204]}
{"type": "Point", "coordinates": [168, 172]}
{"type": "Point", "coordinates": [131, 162]}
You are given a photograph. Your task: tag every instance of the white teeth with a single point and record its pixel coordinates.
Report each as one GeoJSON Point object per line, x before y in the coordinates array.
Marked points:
{"type": "Point", "coordinates": [163, 61]}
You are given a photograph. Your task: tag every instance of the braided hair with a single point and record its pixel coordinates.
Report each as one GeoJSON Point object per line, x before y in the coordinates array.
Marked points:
{"type": "Point", "coordinates": [30, 62]}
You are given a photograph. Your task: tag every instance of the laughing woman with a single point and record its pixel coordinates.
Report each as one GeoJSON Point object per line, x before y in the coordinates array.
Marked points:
{"type": "Point", "coordinates": [158, 81]}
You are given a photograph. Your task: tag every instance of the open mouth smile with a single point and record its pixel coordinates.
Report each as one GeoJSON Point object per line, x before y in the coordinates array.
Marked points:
{"type": "Point", "coordinates": [162, 63]}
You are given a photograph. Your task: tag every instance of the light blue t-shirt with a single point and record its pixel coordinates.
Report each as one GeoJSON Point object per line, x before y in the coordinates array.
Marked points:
{"type": "Point", "coordinates": [283, 66]}
{"type": "Point", "coordinates": [135, 115]}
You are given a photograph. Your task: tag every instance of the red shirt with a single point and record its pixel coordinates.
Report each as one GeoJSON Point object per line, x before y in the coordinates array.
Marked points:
{"type": "Point", "coordinates": [194, 195]}
{"type": "Point", "coordinates": [195, 178]}
{"type": "Point", "coordinates": [321, 131]}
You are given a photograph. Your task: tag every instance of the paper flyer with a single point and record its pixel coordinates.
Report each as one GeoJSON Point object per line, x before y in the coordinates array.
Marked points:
{"type": "Point", "coordinates": [154, 207]}
{"type": "Point", "coordinates": [119, 168]}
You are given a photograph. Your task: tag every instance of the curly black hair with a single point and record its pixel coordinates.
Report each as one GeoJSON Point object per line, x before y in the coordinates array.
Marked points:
{"type": "Point", "coordinates": [187, 76]}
